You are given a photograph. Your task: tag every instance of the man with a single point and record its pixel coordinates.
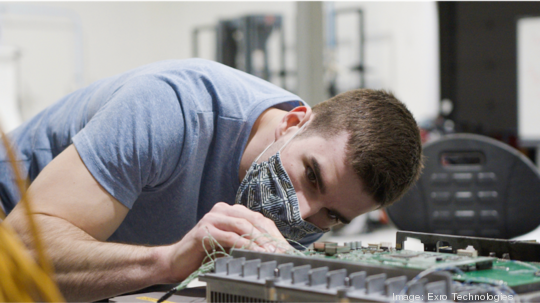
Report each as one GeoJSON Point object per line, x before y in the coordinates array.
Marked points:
{"type": "Point", "coordinates": [130, 174]}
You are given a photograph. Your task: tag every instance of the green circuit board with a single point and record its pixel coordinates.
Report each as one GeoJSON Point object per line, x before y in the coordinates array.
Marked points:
{"type": "Point", "coordinates": [511, 272]}
{"type": "Point", "coordinates": [474, 269]}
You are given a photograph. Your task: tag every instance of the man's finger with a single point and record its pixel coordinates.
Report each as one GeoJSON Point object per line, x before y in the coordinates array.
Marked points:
{"type": "Point", "coordinates": [228, 239]}
{"type": "Point", "coordinates": [262, 223]}
{"type": "Point", "coordinates": [243, 228]}
{"type": "Point", "coordinates": [257, 219]}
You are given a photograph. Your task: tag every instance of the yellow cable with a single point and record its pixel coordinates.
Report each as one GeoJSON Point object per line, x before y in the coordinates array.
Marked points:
{"type": "Point", "coordinates": [42, 259]}
{"type": "Point", "coordinates": [22, 279]}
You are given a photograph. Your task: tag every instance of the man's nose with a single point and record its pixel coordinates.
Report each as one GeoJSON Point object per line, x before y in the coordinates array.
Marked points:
{"type": "Point", "coordinates": [309, 208]}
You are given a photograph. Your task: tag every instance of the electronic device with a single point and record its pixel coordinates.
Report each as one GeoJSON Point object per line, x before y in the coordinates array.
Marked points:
{"type": "Point", "coordinates": [450, 269]}
{"type": "Point", "coordinates": [472, 185]}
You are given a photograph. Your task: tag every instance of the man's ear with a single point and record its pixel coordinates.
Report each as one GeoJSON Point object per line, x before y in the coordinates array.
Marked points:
{"type": "Point", "coordinates": [297, 117]}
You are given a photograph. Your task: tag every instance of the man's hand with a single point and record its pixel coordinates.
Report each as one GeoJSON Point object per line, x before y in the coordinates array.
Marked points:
{"type": "Point", "coordinates": [76, 216]}
{"type": "Point", "coordinates": [231, 226]}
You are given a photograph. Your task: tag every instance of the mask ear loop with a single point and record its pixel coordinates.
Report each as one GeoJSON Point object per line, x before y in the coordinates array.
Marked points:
{"type": "Point", "coordinates": [286, 143]}
{"type": "Point", "coordinates": [260, 155]}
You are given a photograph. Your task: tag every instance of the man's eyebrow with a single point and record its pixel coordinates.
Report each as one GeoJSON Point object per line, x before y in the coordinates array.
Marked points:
{"type": "Point", "coordinates": [322, 187]}
{"type": "Point", "coordinates": [317, 171]}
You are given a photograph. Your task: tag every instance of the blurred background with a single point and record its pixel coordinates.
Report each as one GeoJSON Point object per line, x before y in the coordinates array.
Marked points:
{"type": "Point", "coordinates": [53, 48]}
{"type": "Point", "coordinates": [459, 66]}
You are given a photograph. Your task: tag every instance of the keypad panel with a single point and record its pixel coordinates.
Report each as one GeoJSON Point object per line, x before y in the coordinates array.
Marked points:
{"type": "Point", "coordinates": [473, 184]}
{"type": "Point", "coordinates": [465, 203]}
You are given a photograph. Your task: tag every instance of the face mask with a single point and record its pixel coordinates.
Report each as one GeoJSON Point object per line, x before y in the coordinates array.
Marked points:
{"type": "Point", "coordinates": [267, 189]}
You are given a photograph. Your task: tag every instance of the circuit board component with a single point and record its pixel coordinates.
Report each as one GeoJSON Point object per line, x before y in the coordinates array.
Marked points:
{"type": "Point", "coordinates": [449, 269]}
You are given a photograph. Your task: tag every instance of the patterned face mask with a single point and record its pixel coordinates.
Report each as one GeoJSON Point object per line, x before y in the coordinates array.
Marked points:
{"type": "Point", "coordinates": [267, 189]}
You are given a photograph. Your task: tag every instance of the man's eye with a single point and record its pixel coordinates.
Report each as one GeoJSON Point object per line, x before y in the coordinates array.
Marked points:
{"type": "Point", "coordinates": [311, 175]}
{"type": "Point", "coordinates": [332, 216]}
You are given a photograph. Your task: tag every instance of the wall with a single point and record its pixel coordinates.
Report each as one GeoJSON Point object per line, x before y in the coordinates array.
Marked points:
{"type": "Point", "coordinates": [10, 116]}
{"type": "Point", "coordinates": [401, 51]}
{"type": "Point", "coordinates": [401, 42]}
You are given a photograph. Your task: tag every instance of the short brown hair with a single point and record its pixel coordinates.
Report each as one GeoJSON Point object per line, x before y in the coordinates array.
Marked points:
{"type": "Point", "coordinates": [384, 146]}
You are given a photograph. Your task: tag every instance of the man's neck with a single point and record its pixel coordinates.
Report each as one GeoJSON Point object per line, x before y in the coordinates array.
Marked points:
{"type": "Point", "coordinates": [262, 134]}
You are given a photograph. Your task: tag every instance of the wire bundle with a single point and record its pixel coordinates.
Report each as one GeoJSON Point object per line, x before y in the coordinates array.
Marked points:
{"type": "Point", "coordinates": [21, 278]}
{"type": "Point", "coordinates": [217, 251]}
{"type": "Point", "coordinates": [494, 286]}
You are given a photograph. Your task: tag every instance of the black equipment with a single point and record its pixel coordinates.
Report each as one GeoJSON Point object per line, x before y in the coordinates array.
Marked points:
{"type": "Point", "coordinates": [479, 64]}
{"type": "Point", "coordinates": [472, 186]}
{"type": "Point", "coordinates": [242, 43]}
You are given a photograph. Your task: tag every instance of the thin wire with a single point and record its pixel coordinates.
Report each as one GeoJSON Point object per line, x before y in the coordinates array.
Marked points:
{"type": "Point", "coordinates": [208, 263]}
{"type": "Point", "coordinates": [525, 264]}
{"type": "Point", "coordinates": [484, 281]}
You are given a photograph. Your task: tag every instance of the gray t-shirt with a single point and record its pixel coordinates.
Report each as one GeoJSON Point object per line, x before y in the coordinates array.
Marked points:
{"type": "Point", "coordinates": [164, 139]}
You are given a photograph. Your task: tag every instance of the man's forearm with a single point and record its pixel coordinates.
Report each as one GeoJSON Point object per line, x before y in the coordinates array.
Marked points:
{"type": "Point", "coordinates": [89, 270]}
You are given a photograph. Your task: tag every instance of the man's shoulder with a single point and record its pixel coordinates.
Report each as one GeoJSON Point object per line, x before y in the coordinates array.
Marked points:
{"type": "Point", "coordinates": [179, 74]}
{"type": "Point", "coordinates": [180, 65]}
{"type": "Point", "coordinates": [202, 85]}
